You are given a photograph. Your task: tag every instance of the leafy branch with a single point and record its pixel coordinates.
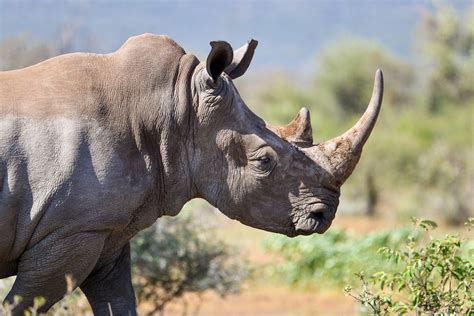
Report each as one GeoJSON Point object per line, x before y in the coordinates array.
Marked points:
{"type": "Point", "coordinates": [433, 277]}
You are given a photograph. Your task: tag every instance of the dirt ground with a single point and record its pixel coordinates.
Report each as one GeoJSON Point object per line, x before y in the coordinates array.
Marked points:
{"type": "Point", "coordinates": [261, 301]}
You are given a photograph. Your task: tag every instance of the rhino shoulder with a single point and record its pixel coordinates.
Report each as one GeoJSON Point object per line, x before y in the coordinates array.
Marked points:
{"type": "Point", "coordinates": [149, 45]}
{"type": "Point", "coordinates": [146, 62]}
{"type": "Point", "coordinates": [151, 39]}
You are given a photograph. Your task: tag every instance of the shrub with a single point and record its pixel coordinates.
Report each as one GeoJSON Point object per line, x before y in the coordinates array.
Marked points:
{"type": "Point", "coordinates": [178, 256]}
{"type": "Point", "coordinates": [433, 277]}
{"type": "Point", "coordinates": [329, 258]}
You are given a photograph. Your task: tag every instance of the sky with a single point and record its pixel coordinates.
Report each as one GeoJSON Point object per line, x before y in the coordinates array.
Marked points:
{"type": "Point", "coordinates": [290, 33]}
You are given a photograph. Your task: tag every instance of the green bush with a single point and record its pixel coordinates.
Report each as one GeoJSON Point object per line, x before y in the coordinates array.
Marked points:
{"type": "Point", "coordinates": [178, 256]}
{"type": "Point", "coordinates": [434, 276]}
{"type": "Point", "coordinates": [329, 258]}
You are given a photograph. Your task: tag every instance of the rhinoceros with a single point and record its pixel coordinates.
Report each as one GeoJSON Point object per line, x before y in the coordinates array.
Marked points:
{"type": "Point", "coordinates": [95, 148]}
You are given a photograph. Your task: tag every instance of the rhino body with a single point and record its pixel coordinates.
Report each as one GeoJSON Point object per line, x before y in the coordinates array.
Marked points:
{"type": "Point", "coordinates": [95, 148]}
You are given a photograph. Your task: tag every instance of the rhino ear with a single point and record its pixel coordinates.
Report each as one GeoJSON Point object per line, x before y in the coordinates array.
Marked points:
{"type": "Point", "coordinates": [219, 58]}
{"type": "Point", "coordinates": [242, 58]}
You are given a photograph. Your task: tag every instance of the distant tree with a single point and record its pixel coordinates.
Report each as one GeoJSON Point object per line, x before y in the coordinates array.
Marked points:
{"type": "Point", "coordinates": [345, 71]}
{"type": "Point", "coordinates": [22, 51]}
{"type": "Point", "coordinates": [447, 43]}
{"type": "Point", "coordinates": [279, 99]}
{"type": "Point", "coordinates": [67, 35]}
{"type": "Point", "coordinates": [372, 194]}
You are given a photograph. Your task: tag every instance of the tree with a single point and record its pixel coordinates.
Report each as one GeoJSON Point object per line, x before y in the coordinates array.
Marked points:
{"type": "Point", "coordinates": [345, 75]}
{"type": "Point", "coordinates": [22, 51]}
{"type": "Point", "coordinates": [447, 42]}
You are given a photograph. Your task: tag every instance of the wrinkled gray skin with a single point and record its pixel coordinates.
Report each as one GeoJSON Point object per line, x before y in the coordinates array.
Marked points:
{"type": "Point", "coordinates": [95, 148]}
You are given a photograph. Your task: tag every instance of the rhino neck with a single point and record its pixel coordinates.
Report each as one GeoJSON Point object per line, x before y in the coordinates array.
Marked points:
{"type": "Point", "coordinates": [206, 158]}
{"type": "Point", "coordinates": [143, 93]}
{"type": "Point", "coordinates": [166, 138]}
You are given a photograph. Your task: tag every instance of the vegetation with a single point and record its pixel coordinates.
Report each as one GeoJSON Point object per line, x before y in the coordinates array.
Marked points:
{"type": "Point", "coordinates": [330, 258]}
{"type": "Point", "coordinates": [448, 43]}
{"type": "Point", "coordinates": [345, 70]}
{"type": "Point", "coordinates": [433, 277]}
{"type": "Point", "coordinates": [72, 304]}
{"type": "Point", "coordinates": [178, 256]}
{"type": "Point", "coordinates": [413, 271]}
{"type": "Point", "coordinates": [22, 51]}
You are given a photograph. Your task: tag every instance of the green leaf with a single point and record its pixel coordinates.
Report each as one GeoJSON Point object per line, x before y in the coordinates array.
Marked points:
{"type": "Point", "coordinates": [401, 287]}
{"type": "Point", "coordinates": [399, 307]}
{"type": "Point", "coordinates": [470, 222]}
{"type": "Point", "coordinates": [427, 224]}
{"type": "Point", "coordinates": [39, 301]}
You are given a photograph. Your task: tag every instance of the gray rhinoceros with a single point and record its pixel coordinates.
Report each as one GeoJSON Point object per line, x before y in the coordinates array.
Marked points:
{"type": "Point", "coordinates": [95, 148]}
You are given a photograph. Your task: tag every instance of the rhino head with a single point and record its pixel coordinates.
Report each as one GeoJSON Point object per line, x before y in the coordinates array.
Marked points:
{"type": "Point", "coordinates": [268, 177]}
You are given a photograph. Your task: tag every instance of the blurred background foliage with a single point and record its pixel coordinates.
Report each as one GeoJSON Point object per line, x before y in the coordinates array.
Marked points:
{"type": "Point", "coordinates": [178, 257]}
{"type": "Point", "coordinates": [418, 161]}
{"type": "Point", "coordinates": [310, 261]}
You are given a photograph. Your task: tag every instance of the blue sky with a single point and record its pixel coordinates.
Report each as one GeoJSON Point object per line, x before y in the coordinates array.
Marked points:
{"type": "Point", "coordinates": [290, 33]}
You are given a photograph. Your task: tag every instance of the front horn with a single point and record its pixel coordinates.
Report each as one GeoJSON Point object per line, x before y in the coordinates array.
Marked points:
{"type": "Point", "coordinates": [343, 152]}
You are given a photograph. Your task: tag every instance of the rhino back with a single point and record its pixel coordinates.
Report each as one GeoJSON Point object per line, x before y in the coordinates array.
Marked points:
{"type": "Point", "coordinates": [138, 76]}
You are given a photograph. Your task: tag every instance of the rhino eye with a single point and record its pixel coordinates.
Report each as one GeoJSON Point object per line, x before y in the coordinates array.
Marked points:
{"type": "Point", "coordinates": [264, 160]}
{"type": "Point", "coordinates": [264, 165]}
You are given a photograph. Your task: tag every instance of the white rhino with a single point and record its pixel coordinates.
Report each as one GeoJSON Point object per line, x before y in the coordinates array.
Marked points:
{"type": "Point", "coordinates": [95, 148]}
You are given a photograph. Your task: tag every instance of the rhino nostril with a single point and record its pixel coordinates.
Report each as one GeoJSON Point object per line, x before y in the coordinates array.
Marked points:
{"type": "Point", "coordinates": [317, 214]}
{"type": "Point", "coordinates": [322, 213]}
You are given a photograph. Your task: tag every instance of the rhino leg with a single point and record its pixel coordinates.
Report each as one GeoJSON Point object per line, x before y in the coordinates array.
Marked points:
{"type": "Point", "coordinates": [109, 289]}
{"type": "Point", "coordinates": [42, 269]}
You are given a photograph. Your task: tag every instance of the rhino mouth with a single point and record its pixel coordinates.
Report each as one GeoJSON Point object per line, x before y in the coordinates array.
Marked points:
{"type": "Point", "coordinates": [317, 220]}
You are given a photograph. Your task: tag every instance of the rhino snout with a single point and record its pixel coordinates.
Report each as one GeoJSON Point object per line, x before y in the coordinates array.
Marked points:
{"type": "Point", "coordinates": [317, 220]}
